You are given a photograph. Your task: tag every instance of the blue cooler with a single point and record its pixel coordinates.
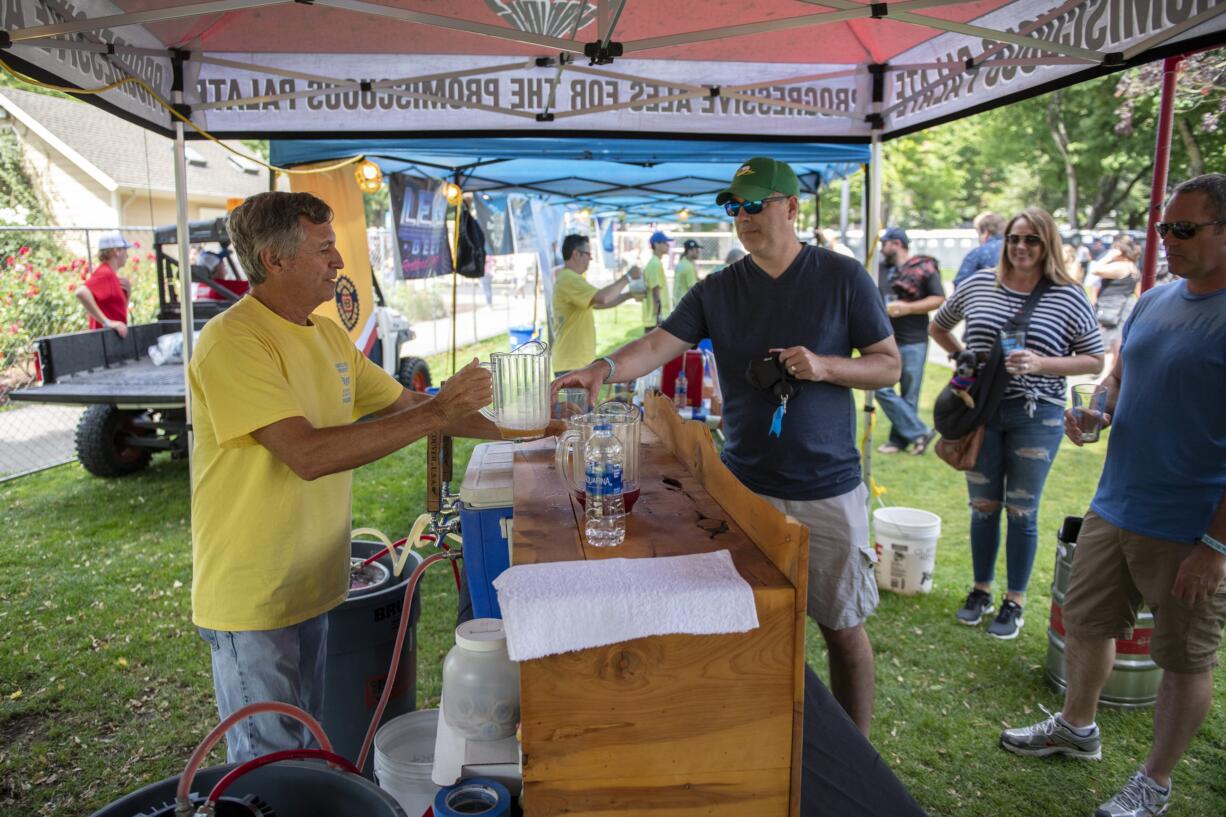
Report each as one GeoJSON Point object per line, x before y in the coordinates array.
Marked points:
{"type": "Point", "coordinates": [485, 523]}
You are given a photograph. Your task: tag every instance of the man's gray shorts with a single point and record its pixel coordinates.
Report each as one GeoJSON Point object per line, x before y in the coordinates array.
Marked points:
{"type": "Point", "coordinates": [842, 585]}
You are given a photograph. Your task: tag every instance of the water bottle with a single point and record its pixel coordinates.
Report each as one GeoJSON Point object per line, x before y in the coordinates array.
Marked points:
{"type": "Point", "coordinates": [680, 389]}
{"type": "Point", "coordinates": [604, 510]}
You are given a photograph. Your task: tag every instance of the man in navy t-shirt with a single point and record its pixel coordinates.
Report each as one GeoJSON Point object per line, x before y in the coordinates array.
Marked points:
{"type": "Point", "coordinates": [814, 307]}
{"type": "Point", "coordinates": [1156, 530]}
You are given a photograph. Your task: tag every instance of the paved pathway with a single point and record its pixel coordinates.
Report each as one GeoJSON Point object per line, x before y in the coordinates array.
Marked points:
{"type": "Point", "coordinates": [36, 436]}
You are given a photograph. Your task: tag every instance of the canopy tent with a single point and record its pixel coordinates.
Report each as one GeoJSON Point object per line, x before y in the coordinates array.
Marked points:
{"type": "Point", "coordinates": [809, 69]}
{"type": "Point", "coordinates": [647, 179]}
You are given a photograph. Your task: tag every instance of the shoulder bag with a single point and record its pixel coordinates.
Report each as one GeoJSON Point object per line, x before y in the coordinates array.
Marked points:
{"type": "Point", "coordinates": [960, 425]}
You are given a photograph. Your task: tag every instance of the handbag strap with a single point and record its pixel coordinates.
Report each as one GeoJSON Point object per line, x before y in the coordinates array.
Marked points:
{"type": "Point", "coordinates": [1021, 319]}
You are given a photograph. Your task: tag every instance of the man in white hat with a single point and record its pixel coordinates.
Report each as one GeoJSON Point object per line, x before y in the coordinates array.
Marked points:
{"type": "Point", "coordinates": [105, 293]}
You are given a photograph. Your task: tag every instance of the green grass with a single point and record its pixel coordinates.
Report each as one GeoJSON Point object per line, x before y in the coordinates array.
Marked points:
{"type": "Point", "coordinates": [115, 688]}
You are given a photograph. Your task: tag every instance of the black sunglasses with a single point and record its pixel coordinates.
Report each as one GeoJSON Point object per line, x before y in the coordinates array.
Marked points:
{"type": "Point", "coordinates": [733, 208]}
{"type": "Point", "coordinates": [1183, 230]}
{"type": "Point", "coordinates": [1030, 240]}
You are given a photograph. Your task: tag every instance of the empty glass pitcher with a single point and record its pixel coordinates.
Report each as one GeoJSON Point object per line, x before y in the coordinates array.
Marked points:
{"type": "Point", "coordinates": [521, 391]}
{"type": "Point", "coordinates": [627, 423]}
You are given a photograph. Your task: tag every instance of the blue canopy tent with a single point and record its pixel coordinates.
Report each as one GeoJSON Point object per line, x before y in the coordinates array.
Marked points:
{"type": "Point", "coordinates": [647, 179]}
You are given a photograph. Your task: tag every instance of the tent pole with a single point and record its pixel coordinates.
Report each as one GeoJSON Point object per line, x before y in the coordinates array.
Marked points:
{"type": "Point", "coordinates": [844, 208]}
{"type": "Point", "coordinates": [187, 319]}
{"type": "Point", "coordinates": [1162, 156]}
{"type": "Point", "coordinates": [872, 221]}
{"type": "Point", "coordinates": [455, 274]}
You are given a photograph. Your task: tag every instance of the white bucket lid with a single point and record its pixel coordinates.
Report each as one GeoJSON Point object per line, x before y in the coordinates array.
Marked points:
{"type": "Point", "coordinates": [908, 520]}
{"type": "Point", "coordinates": [481, 635]}
{"type": "Point", "coordinates": [487, 479]}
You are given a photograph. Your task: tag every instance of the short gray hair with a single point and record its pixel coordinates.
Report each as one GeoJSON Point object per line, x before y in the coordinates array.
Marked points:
{"type": "Point", "coordinates": [1213, 187]}
{"type": "Point", "coordinates": [270, 221]}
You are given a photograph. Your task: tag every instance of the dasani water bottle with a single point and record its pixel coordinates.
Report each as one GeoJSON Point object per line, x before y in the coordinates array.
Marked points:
{"type": "Point", "coordinates": [605, 510]}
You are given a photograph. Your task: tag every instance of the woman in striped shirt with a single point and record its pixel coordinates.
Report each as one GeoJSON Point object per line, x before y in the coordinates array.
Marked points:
{"type": "Point", "coordinates": [1023, 434]}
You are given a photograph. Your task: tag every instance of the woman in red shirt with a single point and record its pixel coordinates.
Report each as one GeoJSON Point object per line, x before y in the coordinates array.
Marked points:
{"type": "Point", "coordinates": [105, 294]}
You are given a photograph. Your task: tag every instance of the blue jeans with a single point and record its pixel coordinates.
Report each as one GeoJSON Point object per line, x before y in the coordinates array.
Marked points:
{"type": "Point", "coordinates": [903, 409]}
{"type": "Point", "coordinates": [287, 665]}
{"type": "Point", "coordinates": [1018, 451]}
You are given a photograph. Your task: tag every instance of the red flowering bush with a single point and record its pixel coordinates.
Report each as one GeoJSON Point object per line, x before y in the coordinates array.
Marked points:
{"type": "Point", "coordinates": [38, 298]}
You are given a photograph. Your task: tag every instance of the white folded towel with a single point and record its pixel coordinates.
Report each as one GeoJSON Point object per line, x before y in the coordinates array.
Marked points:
{"type": "Point", "coordinates": [565, 606]}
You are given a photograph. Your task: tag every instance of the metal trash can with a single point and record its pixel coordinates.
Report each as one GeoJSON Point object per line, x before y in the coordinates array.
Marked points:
{"type": "Point", "coordinates": [1134, 679]}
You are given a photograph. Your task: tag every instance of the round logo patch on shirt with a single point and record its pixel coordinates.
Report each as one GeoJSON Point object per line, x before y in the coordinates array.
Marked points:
{"type": "Point", "coordinates": [347, 305]}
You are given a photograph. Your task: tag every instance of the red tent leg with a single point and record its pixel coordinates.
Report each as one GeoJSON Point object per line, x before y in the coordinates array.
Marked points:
{"type": "Point", "coordinates": [1162, 156]}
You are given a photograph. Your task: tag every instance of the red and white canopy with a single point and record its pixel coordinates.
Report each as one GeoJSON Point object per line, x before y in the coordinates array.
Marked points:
{"type": "Point", "coordinates": [790, 69]}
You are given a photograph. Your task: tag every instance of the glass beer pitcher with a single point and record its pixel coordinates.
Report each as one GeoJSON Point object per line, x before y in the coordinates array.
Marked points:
{"type": "Point", "coordinates": [521, 391]}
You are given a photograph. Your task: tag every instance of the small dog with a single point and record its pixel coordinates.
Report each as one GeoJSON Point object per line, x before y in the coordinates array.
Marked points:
{"type": "Point", "coordinates": [965, 374]}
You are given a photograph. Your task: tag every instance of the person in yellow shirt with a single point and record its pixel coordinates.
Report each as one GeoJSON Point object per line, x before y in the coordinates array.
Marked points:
{"type": "Point", "coordinates": [655, 300]}
{"type": "Point", "coordinates": [276, 391]}
{"type": "Point", "coordinates": [574, 324]}
{"type": "Point", "coordinates": [686, 274]}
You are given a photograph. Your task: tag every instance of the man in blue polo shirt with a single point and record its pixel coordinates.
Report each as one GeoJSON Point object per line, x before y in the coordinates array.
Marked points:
{"type": "Point", "coordinates": [813, 307]}
{"type": "Point", "coordinates": [1156, 530]}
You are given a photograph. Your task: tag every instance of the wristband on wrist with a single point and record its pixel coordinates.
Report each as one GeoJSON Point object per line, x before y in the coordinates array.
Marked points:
{"type": "Point", "coordinates": [1213, 544]}
{"type": "Point", "coordinates": [612, 368]}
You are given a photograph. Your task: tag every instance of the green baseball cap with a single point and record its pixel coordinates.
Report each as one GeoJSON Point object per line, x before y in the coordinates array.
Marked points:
{"type": "Point", "coordinates": [758, 178]}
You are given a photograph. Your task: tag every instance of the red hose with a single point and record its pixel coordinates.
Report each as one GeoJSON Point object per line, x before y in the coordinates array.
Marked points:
{"type": "Point", "coordinates": [182, 800]}
{"type": "Point", "coordinates": [425, 537]}
{"type": "Point", "coordinates": [276, 757]}
{"type": "Point", "coordinates": [405, 615]}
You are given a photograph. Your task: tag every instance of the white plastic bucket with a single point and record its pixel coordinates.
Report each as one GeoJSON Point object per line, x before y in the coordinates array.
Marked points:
{"type": "Point", "coordinates": [906, 542]}
{"type": "Point", "coordinates": [404, 760]}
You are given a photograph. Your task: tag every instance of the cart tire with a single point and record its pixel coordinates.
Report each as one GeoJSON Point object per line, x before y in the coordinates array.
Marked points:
{"type": "Point", "coordinates": [413, 374]}
{"type": "Point", "coordinates": [100, 446]}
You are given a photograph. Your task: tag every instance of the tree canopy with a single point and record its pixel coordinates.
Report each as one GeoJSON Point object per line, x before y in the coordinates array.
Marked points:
{"type": "Point", "coordinates": [1084, 153]}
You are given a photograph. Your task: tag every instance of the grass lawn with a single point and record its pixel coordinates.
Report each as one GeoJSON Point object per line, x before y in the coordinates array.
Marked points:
{"type": "Point", "coordinates": [104, 685]}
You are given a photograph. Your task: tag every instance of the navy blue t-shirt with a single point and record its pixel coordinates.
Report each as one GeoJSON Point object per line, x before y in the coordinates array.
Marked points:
{"type": "Point", "coordinates": [825, 302]}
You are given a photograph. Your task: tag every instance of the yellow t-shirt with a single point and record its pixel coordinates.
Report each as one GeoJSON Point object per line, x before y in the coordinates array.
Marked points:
{"type": "Point", "coordinates": [269, 549]}
{"type": "Point", "coordinates": [653, 276]}
{"type": "Point", "coordinates": [574, 324]}
{"type": "Point", "coordinates": [684, 277]}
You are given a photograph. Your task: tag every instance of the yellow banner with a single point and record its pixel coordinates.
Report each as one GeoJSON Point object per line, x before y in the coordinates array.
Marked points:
{"type": "Point", "coordinates": [354, 304]}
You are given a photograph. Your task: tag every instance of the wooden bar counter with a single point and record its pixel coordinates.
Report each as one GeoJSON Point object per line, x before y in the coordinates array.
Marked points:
{"type": "Point", "coordinates": [677, 724]}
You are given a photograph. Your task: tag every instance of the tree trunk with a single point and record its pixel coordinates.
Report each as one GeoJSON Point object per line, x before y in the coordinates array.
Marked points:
{"type": "Point", "coordinates": [1059, 135]}
{"type": "Point", "coordinates": [1196, 161]}
{"type": "Point", "coordinates": [1111, 195]}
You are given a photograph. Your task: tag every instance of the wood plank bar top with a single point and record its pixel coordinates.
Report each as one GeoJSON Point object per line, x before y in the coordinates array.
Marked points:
{"type": "Point", "coordinates": [678, 724]}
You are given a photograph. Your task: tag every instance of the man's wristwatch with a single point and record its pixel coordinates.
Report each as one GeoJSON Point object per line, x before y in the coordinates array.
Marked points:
{"type": "Point", "coordinates": [612, 368]}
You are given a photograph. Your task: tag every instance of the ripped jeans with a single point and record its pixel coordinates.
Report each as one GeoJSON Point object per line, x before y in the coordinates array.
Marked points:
{"type": "Point", "coordinates": [1018, 451]}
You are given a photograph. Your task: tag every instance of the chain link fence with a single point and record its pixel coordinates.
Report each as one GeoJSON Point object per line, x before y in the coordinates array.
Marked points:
{"type": "Point", "coordinates": [41, 269]}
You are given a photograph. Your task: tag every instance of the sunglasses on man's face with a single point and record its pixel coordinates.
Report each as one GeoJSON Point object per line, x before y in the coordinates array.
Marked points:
{"type": "Point", "coordinates": [1030, 239]}
{"type": "Point", "coordinates": [1183, 230]}
{"type": "Point", "coordinates": [733, 208]}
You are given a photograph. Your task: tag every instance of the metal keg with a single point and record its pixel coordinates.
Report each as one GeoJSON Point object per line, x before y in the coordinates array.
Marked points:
{"type": "Point", "coordinates": [1134, 679]}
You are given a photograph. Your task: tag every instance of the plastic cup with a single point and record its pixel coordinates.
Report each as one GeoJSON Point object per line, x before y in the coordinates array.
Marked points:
{"type": "Point", "coordinates": [1089, 405]}
{"type": "Point", "coordinates": [570, 403]}
{"type": "Point", "coordinates": [1012, 341]}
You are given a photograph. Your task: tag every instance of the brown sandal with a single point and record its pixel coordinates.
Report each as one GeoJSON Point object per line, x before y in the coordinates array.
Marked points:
{"type": "Point", "coordinates": [921, 445]}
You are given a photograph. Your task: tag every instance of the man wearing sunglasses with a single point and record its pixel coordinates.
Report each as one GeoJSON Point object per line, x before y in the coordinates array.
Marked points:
{"type": "Point", "coordinates": [814, 308]}
{"type": "Point", "coordinates": [1156, 529]}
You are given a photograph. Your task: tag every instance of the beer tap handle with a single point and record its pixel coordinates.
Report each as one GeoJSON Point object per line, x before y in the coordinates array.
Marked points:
{"type": "Point", "coordinates": [438, 469]}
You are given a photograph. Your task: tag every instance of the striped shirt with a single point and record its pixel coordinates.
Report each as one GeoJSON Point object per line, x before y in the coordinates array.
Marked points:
{"type": "Point", "coordinates": [1062, 324]}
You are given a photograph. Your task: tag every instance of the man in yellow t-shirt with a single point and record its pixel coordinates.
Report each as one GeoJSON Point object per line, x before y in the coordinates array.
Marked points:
{"type": "Point", "coordinates": [655, 300]}
{"type": "Point", "coordinates": [276, 391]}
{"type": "Point", "coordinates": [686, 275]}
{"type": "Point", "coordinates": [574, 325]}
